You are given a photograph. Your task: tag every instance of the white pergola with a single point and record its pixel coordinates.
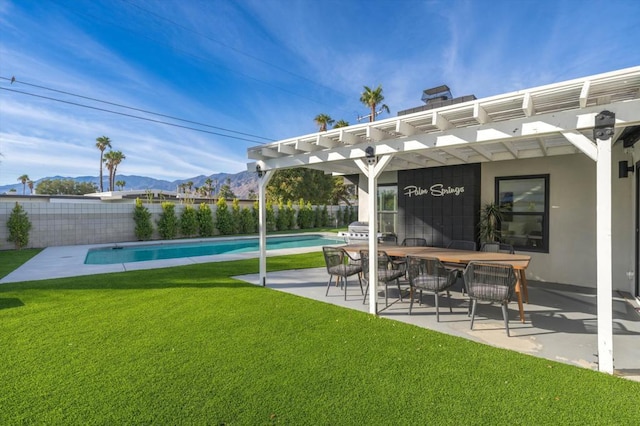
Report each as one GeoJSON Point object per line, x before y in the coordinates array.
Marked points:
{"type": "Point", "coordinates": [585, 115]}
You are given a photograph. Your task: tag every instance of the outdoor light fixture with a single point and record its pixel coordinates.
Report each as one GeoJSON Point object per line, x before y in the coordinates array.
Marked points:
{"type": "Point", "coordinates": [623, 169]}
{"type": "Point", "coordinates": [259, 171]}
{"type": "Point", "coordinates": [370, 154]}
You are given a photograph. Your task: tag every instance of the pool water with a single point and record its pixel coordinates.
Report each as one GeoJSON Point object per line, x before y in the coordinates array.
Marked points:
{"type": "Point", "coordinates": [140, 253]}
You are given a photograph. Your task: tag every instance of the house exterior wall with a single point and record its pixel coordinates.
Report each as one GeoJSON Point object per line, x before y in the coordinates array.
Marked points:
{"type": "Point", "coordinates": [572, 218]}
{"type": "Point", "coordinates": [572, 215]}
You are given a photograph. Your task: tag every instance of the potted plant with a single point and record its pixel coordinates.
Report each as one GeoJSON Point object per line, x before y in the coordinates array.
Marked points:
{"type": "Point", "coordinates": [489, 226]}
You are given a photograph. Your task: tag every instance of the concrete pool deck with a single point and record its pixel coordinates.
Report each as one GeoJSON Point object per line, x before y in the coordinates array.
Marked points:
{"type": "Point", "coordinates": [68, 261]}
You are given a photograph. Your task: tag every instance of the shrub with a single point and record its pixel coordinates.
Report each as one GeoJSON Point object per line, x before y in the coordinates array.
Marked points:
{"type": "Point", "coordinates": [291, 215]}
{"type": "Point", "coordinates": [168, 222]}
{"type": "Point", "coordinates": [205, 220]}
{"type": "Point", "coordinates": [305, 215]}
{"type": "Point", "coordinates": [271, 217]}
{"type": "Point", "coordinates": [235, 216]}
{"type": "Point", "coordinates": [188, 221]}
{"type": "Point", "coordinates": [247, 222]}
{"type": "Point", "coordinates": [255, 212]}
{"type": "Point", "coordinates": [325, 220]}
{"type": "Point", "coordinates": [223, 218]}
{"type": "Point", "coordinates": [282, 218]}
{"type": "Point", "coordinates": [142, 219]}
{"type": "Point", "coordinates": [19, 227]}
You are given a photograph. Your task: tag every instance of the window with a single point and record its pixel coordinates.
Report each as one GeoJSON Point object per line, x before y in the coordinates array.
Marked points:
{"type": "Point", "coordinates": [387, 208]}
{"type": "Point", "coordinates": [524, 202]}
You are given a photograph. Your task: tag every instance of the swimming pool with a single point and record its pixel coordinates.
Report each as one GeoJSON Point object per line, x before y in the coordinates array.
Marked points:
{"type": "Point", "coordinates": [144, 252]}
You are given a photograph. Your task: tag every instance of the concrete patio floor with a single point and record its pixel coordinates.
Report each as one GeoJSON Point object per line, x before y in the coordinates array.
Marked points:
{"type": "Point", "coordinates": [560, 320]}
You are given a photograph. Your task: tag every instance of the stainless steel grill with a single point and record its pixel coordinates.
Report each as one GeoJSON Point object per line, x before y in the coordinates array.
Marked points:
{"type": "Point", "coordinates": [358, 232]}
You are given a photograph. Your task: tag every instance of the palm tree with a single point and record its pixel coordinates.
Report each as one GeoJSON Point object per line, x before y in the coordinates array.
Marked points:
{"type": "Point", "coordinates": [120, 184]}
{"type": "Point", "coordinates": [323, 120]}
{"type": "Point", "coordinates": [24, 179]}
{"type": "Point", "coordinates": [372, 98]}
{"type": "Point", "coordinates": [112, 159]}
{"type": "Point", "coordinates": [30, 185]}
{"type": "Point", "coordinates": [340, 123]}
{"type": "Point", "coordinates": [208, 183]}
{"type": "Point", "coordinates": [102, 143]}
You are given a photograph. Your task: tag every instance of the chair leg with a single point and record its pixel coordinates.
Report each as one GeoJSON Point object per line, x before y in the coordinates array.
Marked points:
{"type": "Point", "coordinates": [505, 315]}
{"type": "Point", "coordinates": [329, 285]}
{"type": "Point", "coordinates": [449, 298]}
{"type": "Point", "coordinates": [366, 291]}
{"type": "Point", "coordinates": [473, 311]}
{"type": "Point", "coordinates": [345, 287]}
{"type": "Point", "coordinates": [360, 281]}
{"type": "Point", "coordinates": [399, 289]}
{"type": "Point", "coordinates": [411, 303]}
{"type": "Point", "coordinates": [435, 296]}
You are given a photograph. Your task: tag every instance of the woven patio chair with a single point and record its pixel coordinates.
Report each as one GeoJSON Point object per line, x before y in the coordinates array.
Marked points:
{"type": "Point", "coordinates": [462, 245]}
{"type": "Point", "coordinates": [497, 248]}
{"type": "Point", "coordinates": [386, 274]}
{"type": "Point", "coordinates": [341, 265]}
{"type": "Point", "coordinates": [430, 276]}
{"type": "Point", "coordinates": [414, 242]}
{"type": "Point", "coordinates": [490, 282]}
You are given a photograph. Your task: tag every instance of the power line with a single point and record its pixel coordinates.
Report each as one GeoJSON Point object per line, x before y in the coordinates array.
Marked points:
{"type": "Point", "coordinates": [130, 115]}
{"type": "Point", "coordinates": [13, 80]}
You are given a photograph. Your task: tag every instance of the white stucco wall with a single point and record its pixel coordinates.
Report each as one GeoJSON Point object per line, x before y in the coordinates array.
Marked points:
{"type": "Point", "coordinates": [572, 218]}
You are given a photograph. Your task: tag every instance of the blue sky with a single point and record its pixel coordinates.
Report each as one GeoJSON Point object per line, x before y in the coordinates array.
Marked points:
{"type": "Point", "coordinates": [265, 68]}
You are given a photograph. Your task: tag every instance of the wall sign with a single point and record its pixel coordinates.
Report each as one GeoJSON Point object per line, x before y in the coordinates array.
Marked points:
{"type": "Point", "coordinates": [435, 190]}
{"type": "Point", "coordinates": [439, 204]}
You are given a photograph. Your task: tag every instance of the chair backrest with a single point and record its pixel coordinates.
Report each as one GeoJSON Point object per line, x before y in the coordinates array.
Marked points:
{"type": "Point", "coordinates": [497, 248]}
{"type": "Point", "coordinates": [333, 256]}
{"type": "Point", "coordinates": [384, 262]}
{"type": "Point", "coordinates": [414, 242]}
{"type": "Point", "coordinates": [388, 239]}
{"type": "Point", "coordinates": [462, 245]}
{"type": "Point", "coordinates": [429, 273]}
{"type": "Point", "coordinates": [489, 281]}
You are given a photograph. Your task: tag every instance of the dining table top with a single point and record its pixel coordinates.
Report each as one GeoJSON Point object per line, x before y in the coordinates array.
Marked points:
{"type": "Point", "coordinates": [518, 261]}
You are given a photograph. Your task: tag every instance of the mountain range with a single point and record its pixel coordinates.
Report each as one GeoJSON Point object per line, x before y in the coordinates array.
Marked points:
{"type": "Point", "coordinates": [240, 183]}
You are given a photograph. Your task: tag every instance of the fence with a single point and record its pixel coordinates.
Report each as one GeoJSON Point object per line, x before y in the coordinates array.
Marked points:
{"type": "Point", "coordinates": [74, 221]}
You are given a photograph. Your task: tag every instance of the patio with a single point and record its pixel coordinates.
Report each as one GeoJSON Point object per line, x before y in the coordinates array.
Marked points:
{"type": "Point", "coordinates": [561, 320]}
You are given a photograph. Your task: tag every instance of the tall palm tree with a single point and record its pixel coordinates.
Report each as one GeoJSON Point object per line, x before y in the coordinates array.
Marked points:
{"type": "Point", "coordinates": [340, 123]}
{"type": "Point", "coordinates": [323, 120]}
{"type": "Point", "coordinates": [24, 179]}
{"type": "Point", "coordinates": [111, 160]}
{"type": "Point", "coordinates": [102, 143]}
{"type": "Point", "coordinates": [208, 184]}
{"type": "Point", "coordinates": [372, 98]}
{"type": "Point", "coordinates": [30, 185]}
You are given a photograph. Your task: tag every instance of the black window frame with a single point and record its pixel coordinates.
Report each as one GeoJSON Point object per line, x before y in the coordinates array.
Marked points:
{"type": "Point", "coordinates": [544, 215]}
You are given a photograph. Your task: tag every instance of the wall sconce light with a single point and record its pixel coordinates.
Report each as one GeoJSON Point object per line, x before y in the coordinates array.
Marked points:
{"type": "Point", "coordinates": [624, 168]}
{"type": "Point", "coordinates": [259, 171]}
{"type": "Point", "coordinates": [370, 154]}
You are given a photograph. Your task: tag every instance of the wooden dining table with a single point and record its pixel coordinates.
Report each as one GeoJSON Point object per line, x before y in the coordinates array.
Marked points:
{"type": "Point", "coordinates": [460, 258]}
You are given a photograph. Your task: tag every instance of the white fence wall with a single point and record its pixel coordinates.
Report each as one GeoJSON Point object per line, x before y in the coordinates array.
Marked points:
{"type": "Point", "coordinates": [78, 221]}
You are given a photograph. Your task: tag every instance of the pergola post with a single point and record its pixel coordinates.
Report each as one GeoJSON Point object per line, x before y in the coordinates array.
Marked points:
{"type": "Point", "coordinates": [263, 180]}
{"type": "Point", "coordinates": [372, 169]}
{"type": "Point", "coordinates": [603, 134]}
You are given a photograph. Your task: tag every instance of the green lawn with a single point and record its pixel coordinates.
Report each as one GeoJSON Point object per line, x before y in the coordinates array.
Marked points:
{"type": "Point", "coordinates": [190, 345]}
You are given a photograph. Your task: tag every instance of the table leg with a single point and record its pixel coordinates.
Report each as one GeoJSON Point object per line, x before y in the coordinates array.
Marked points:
{"type": "Point", "coordinates": [519, 293]}
{"type": "Point", "coordinates": [523, 279]}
